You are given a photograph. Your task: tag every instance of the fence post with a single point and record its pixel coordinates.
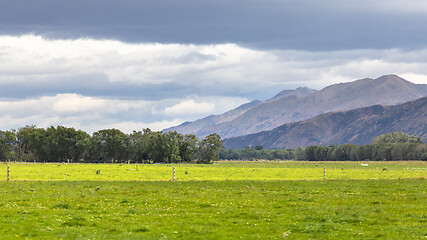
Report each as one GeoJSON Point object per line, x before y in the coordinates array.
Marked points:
{"type": "Point", "coordinates": [8, 173]}
{"type": "Point", "coordinates": [324, 173]}
{"type": "Point", "coordinates": [173, 173]}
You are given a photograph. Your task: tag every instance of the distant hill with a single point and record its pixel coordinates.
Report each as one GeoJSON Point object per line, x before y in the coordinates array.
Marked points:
{"type": "Point", "coordinates": [201, 127]}
{"type": "Point", "coordinates": [299, 92]}
{"type": "Point", "coordinates": [358, 126]}
{"type": "Point", "coordinates": [198, 127]}
{"type": "Point", "coordinates": [304, 103]}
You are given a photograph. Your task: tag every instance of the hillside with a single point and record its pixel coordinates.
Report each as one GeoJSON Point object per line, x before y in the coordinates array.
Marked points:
{"type": "Point", "coordinates": [201, 127]}
{"type": "Point", "coordinates": [198, 126]}
{"type": "Point", "coordinates": [303, 103]}
{"type": "Point", "coordinates": [358, 126]}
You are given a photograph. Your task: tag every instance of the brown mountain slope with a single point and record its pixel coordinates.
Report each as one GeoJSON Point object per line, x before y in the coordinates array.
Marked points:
{"type": "Point", "coordinates": [303, 104]}
{"type": "Point", "coordinates": [197, 126]}
{"type": "Point", "coordinates": [387, 90]}
{"type": "Point", "coordinates": [299, 92]}
{"type": "Point", "coordinates": [358, 126]}
{"type": "Point", "coordinates": [201, 127]}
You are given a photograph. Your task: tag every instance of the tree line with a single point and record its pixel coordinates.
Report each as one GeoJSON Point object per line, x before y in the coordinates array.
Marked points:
{"type": "Point", "coordinates": [387, 147]}
{"type": "Point", "coordinates": [64, 144]}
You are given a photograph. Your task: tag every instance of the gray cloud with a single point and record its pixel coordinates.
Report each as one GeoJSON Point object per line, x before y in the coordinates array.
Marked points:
{"type": "Point", "coordinates": [132, 64]}
{"type": "Point", "coordinates": [304, 25]}
{"type": "Point", "coordinates": [35, 67]}
{"type": "Point", "coordinates": [92, 114]}
{"type": "Point", "coordinates": [96, 85]}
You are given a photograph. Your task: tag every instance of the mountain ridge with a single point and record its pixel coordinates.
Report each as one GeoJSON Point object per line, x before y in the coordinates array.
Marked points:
{"type": "Point", "coordinates": [357, 126]}
{"type": "Point", "coordinates": [304, 103]}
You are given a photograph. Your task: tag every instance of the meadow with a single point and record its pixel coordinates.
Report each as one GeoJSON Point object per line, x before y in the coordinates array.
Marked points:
{"type": "Point", "coordinates": [227, 200]}
{"type": "Point", "coordinates": [220, 171]}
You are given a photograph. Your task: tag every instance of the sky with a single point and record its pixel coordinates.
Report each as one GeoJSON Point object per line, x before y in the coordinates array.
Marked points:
{"type": "Point", "coordinates": [134, 64]}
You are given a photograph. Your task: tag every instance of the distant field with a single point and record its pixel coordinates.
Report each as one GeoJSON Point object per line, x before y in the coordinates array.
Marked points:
{"type": "Point", "coordinates": [228, 200]}
{"type": "Point", "coordinates": [257, 170]}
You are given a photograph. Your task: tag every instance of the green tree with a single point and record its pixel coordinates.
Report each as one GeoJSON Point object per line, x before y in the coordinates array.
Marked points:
{"type": "Point", "coordinates": [7, 142]}
{"type": "Point", "coordinates": [343, 152]}
{"type": "Point", "coordinates": [172, 142]}
{"type": "Point", "coordinates": [165, 147]}
{"type": "Point", "coordinates": [396, 137]}
{"type": "Point", "coordinates": [309, 153]}
{"type": "Point", "coordinates": [82, 146]}
{"type": "Point", "coordinates": [32, 143]}
{"type": "Point", "coordinates": [188, 147]}
{"type": "Point", "coordinates": [299, 153]}
{"type": "Point", "coordinates": [108, 145]}
{"type": "Point", "coordinates": [209, 148]}
{"type": "Point", "coordinates": [139, 145]}
{"type": "Point", "coordinates": [321, 153]}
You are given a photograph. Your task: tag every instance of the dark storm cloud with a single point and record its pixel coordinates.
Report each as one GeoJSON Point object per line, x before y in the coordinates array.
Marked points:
{"type": "Point", "coordinates": [99, 86]}
{"type": "Point", "coordinates": [92, 85]}
{"type": "Point", "coordinates": [308, 25]}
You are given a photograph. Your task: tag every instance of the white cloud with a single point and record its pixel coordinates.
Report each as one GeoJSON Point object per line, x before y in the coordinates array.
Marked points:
{"type": "Point", "coordinates": [223, 67]}
{"type": "Point", "coordinates": [201, 79]}
{"type": "Point", "coordinates": [202, 106]}
{"type": "Point", "coordinates": [130, 126]}
{"type": "Point", "coordinates": [393, 6]}
{"type": "Point", "coordinates": [92, 114]}
{"type": "Point", "coordinates": [72, 103]}
{"type": "Point", "coordinates": [188, 107]}
{"type": "Point", "coordinates": [415, 78]}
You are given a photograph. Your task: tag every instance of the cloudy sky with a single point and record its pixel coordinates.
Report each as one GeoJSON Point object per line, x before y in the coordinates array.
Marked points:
{"type": "Point", "coordinates": [132, 64]}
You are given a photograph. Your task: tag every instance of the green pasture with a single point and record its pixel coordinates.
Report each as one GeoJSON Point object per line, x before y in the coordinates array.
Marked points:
{"type": "Point", "coordinates": [225, 200]}
{"type": "Point", "coordinates": [223, 170]}
{"type": "Point", "coordinates": [245, 209]}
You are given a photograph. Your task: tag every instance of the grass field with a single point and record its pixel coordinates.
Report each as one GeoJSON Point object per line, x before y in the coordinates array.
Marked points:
{"type": "Point", "coordinates": [228, 200]}
{"type": "Point", "coordinates": [258, 170]}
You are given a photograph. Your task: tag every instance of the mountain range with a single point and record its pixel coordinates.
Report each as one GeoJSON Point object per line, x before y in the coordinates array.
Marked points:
{"type": "Point", "coordinates": [358, 126]}
{"type": "Point", "coordinates": [304, 103]}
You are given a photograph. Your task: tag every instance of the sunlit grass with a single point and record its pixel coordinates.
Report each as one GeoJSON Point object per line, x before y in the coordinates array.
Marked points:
{"type": "Point", "coordinates": [268, 170]}
{"type": "Point", "coordinates": [336, 209]}
{"type": "Point", "coordinates": [225, 200]}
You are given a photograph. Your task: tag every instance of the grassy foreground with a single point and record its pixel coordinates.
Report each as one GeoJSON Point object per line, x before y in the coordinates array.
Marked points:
{"type": "Point", "coordinates": [335, 209]}
{"type": "Point", "coordinates": [228, 200]}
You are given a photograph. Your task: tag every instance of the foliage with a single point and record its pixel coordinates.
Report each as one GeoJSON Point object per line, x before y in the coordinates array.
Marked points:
{"type": "Point", "coordinates": [7, 142]}
{"type": "Point", "coordinates": [52, 144]}
{"type": "Point", "coordinates": [299, 153]}
{"type": "Point", "coordinates": [209, 148]}
{"type": "Point", "coordinates": [388, 147]}
{"type": "Point", "coordinates": [62, 144]}
{"type": "Point", "coordinates": [108, 145]}
{"type": "Point", "coordinates": [372, 152]}
{"type": "Point", "coordinates": [396, 137]}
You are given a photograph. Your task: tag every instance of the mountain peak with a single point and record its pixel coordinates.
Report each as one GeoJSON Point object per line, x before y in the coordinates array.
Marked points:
{"type": "Point", "coordinates": [299, 92]}
{"type": "Point", "coordinates": [392, 79]}
{"type": "Point", "coordinates": [304, 103]}
{"type": "Point", "coordinates": [357, 126]}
